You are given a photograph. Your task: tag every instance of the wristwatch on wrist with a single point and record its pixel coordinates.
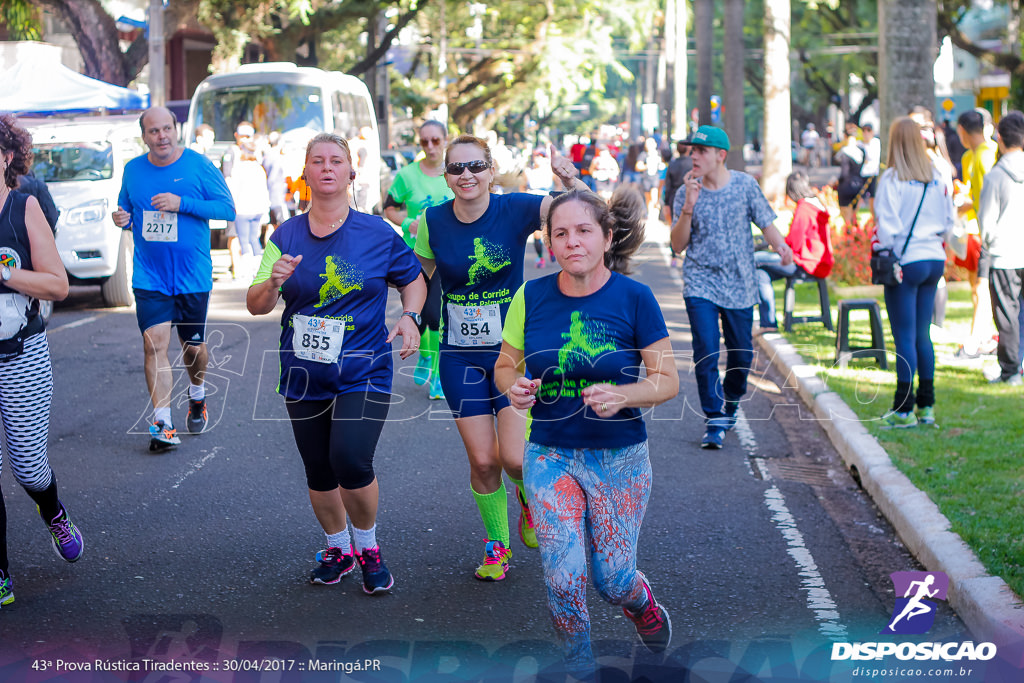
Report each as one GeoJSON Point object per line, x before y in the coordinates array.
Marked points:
{"type": "Point", "coordinates": [5, 273]}
{"type": "Point", "coordinates": [415, 317]}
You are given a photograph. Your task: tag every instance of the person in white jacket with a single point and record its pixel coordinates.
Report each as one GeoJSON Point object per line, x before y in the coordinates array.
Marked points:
{"type": "Point", "coordinates": [1002, 243]}
{"type": "Point", "coordinates": [913, 211]}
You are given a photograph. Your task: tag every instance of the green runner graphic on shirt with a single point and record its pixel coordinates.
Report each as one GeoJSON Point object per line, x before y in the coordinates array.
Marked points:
{"type": "Point", "coordinates": [340, 279]}
{"type": "Point", "coordinates": [586, 338]}
{"type": "Point", "coordinates": [487, 258]}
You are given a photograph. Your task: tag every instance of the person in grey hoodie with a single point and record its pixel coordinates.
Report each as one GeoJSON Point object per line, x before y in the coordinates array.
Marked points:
{"type": "Point", "coordinates": [913, 212]}
{"type": "Point", "coordinates": [1002, 243]}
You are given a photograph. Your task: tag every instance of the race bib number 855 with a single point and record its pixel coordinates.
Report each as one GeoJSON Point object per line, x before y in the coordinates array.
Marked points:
{"type": "Point", "coordinates": [317, 339]}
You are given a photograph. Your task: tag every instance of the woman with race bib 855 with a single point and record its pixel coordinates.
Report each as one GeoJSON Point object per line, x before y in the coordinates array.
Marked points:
{"type": "Point", "coordinates": [333, 267]}
{"type": "Point", "coordinates": [477, 244]}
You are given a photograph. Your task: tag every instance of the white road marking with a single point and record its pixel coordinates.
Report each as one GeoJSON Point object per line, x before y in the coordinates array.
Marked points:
{"type": "Point", "coordinates": [196, 466]}
{"type": "Point", "coordinates": [819, 599]}
{"type": "Point", "coordinates": [77, 323]}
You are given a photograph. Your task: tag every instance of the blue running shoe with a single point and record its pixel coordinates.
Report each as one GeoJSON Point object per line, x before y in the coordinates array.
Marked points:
{"type": "Point", "coordinates": [334, 563]}
{"type": "Point", "coordinates": [376, 577]}
{"type": "Point", "coordinates": [422, 372]}
{"type": "Point", "coordinates": [436, 392]}
{"type": "Point", "coordinates": [713, 438]}
{"type": "Point", "coordinates": [64, 536]}
{"type": "Point", "coordinates": [6, 590]}
{"type": "Point", "coordinates": [161, 438]}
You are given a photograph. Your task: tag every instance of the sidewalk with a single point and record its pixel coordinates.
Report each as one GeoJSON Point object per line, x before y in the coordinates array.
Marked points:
{"type": "Point", "coordinates": [988, 607]}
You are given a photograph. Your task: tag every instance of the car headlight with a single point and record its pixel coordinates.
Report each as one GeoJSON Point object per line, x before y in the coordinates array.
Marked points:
{"type": "Point", "coordinates": [90, 212]}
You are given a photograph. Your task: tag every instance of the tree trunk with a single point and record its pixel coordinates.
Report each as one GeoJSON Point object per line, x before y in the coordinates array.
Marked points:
{"type": "Point", "coordinates": [704, 33]}
{"type": "Point", "coordinates": [906, 57]}
{"type": "Point", "coordinates": [734, 80]}
{"type": "Point", "coordinates": [96, 35]}
{"type": "Point", "coordinates": [778, 159]}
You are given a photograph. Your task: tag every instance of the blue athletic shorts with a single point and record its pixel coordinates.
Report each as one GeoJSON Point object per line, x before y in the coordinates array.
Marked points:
{"type": "Point", "coordinates": [467, 378]}
{"type": "Point", "coordinates": [185, 311]}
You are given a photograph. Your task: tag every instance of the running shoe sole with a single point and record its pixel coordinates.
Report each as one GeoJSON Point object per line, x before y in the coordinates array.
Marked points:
{"type": "Point", "coordinates": [381, 589]}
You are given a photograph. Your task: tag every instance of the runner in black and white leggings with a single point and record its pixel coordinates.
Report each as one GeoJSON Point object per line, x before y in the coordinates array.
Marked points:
{"type": "Point", "coordinates": [30, 269]}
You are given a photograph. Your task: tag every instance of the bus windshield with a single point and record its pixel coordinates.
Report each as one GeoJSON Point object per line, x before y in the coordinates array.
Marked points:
{"type": "Point", "coordinates": [269, 106]}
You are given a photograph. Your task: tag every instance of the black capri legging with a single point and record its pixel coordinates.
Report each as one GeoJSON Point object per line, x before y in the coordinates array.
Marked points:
{"type": "Point", "coordinates": [432, 306]}
{"type": "Point", "coordinates": [337, 438]}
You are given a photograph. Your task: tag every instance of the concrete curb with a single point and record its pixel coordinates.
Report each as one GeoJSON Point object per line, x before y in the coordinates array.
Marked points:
{"type": "Point", "coordinates": [988, 607]}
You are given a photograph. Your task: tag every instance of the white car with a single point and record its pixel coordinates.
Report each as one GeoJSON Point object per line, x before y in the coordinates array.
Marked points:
{"type": "Point", "coordinates": [82, 161]}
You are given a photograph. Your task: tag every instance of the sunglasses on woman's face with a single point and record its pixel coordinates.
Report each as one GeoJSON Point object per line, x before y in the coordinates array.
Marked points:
{"type": "Point", "coordinates": [457, 167]}
{"type": "Point", "coordinates": [428, 142]}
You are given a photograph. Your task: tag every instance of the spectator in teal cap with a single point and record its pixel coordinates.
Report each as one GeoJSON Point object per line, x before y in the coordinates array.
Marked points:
{"type": "Point", "coordinates": [714, 209]}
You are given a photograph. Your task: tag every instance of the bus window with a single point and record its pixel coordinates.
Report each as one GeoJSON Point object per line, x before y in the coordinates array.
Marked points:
{"type": "Point", "coordinates": [272, 106]}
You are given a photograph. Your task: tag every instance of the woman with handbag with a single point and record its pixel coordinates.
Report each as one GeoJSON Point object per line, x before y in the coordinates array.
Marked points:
{"type": "Point", "coordinates": [913, 212]}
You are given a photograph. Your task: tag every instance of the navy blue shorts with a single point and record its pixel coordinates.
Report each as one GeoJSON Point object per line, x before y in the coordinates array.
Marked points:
{"type": "Point", "coordinates": [185, 311]}
{"type": "Point", "coordinates": [467, 378]}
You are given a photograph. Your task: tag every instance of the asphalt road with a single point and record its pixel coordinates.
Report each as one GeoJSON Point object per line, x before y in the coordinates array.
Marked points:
{"type": "Point", "coordinates": [764, 553]}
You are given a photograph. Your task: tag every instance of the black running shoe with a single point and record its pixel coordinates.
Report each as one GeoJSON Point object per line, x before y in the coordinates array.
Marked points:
{"type": "Point", "coordinates": [652, 624]}
{"type": "Point", "coordinates": [376, 577]}
{"type": "Point", "coordinates": [196, 416]}
{"type": "Point", "coordinates": [334, 563]}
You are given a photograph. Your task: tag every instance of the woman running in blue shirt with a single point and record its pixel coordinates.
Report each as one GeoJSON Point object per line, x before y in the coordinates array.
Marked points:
{"type": "Point", "coordinates": [476, 243]}
{"type": "Point", "coordinates": [581, 334]}
{"type": "Point", "coordinates": [333, 267]}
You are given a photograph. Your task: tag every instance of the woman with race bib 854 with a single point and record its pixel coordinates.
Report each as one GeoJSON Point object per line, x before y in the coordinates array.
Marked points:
{"type": "Point", "coordinates": [477, 244]}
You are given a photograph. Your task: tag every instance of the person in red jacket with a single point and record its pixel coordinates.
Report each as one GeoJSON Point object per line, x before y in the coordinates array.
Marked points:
{"type": "Point", "coordinates": [808, 238]}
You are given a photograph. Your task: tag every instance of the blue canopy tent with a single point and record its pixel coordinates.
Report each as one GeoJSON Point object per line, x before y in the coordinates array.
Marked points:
{"type": "Point", "coordinates": [52, 88]}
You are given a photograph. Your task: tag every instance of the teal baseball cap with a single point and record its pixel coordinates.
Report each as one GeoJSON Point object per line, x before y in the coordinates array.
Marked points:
{"type": "Point", "coordinates": [709, 136]}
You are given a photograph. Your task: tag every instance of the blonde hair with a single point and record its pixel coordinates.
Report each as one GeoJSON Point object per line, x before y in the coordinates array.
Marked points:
{"type": "Point", "coordinates": [908, 156]}
{"type": "Point", "coordinates": [332, 138]}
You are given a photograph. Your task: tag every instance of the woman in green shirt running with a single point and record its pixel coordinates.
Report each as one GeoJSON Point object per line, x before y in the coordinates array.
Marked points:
{"type": "Point", "coordinates": [416, 188]}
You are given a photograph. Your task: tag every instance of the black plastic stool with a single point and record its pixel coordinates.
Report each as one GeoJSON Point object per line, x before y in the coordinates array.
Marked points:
{"type": "Point", "coordinates": [790, 301]}
{"type": "Point", "coordinates": [844, 352]}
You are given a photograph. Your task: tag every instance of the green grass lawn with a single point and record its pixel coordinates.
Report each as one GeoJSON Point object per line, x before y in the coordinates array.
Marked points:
{"type": "Point", "coordinates": [972, 465]}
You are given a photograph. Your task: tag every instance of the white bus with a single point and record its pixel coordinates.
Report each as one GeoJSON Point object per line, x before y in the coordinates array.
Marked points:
{"type": "Point", "coordinates": [298, 102]}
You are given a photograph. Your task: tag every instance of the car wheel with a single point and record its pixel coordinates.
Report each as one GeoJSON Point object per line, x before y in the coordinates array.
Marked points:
{"type": "Point", "coordinates": [117, 289]}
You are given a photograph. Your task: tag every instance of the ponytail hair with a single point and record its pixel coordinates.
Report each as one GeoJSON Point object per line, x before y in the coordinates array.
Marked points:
{"type": "Point", "coordinates": [623, 217]}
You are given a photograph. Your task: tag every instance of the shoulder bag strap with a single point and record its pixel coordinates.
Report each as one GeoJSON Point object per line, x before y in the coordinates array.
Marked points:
{"type": "Point", "coordinates": [914, 222]}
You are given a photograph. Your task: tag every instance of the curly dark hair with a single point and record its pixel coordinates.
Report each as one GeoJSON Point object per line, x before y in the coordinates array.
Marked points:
{"type": "Point", "coordinates": [15, 139]}
{"type": "Point", "coordinates": [623, 217]}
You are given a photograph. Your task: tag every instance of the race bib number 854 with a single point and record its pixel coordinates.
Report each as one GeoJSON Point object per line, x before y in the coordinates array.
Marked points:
{"type": "Point", "coordinates": [474, 325]}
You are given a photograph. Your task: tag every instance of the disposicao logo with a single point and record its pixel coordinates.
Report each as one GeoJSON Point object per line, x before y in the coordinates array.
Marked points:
{"type": "Point", "coordinates": [914, 614]}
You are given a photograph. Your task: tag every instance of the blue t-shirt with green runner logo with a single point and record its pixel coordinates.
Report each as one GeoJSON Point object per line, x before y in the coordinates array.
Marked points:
{"type": "Point", "coordinates": [570, 343]}
{"type": "Point", "coordinates": [480, 265]}
{"type": "Point", "coordinates": [339, 291]}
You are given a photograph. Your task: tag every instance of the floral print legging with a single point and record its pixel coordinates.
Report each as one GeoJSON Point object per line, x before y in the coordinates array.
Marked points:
{"type": "Point", "coordinates": [579, 493]}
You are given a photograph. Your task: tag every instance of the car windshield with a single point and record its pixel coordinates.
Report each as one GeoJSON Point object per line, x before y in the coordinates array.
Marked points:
{"type": "Point", "coordinates": [268, 106]}
{"type": "Point", "coordinates": [61, 161]}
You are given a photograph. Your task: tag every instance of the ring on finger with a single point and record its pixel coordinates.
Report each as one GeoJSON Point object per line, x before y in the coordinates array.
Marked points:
{"type": "Point", "coordinates": [604, 407]}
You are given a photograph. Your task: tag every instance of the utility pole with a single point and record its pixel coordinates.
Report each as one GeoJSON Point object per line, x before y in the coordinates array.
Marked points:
{"type": "Point", "coordinates": [704, 17]}
{"type": "Point", "coordinates": [157, 60]}
{"type": "Point", "coordinates": [675, 69]}
{"type": "Point", "coordinates": [778, 158]}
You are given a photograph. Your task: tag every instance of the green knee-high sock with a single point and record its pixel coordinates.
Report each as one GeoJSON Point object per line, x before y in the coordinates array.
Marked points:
{"type": "Point", "coordinates": [428, 345]}
{"type": "Point", "coordinates": [435, 351]}
{"type": "Point", "coordinates": [494, 512]}
{"type": "Point", "coordinates": [519, 485]}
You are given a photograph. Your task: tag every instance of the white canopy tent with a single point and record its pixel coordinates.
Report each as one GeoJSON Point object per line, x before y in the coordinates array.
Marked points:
{"type": "Point", "coordinates": [50, 87]}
